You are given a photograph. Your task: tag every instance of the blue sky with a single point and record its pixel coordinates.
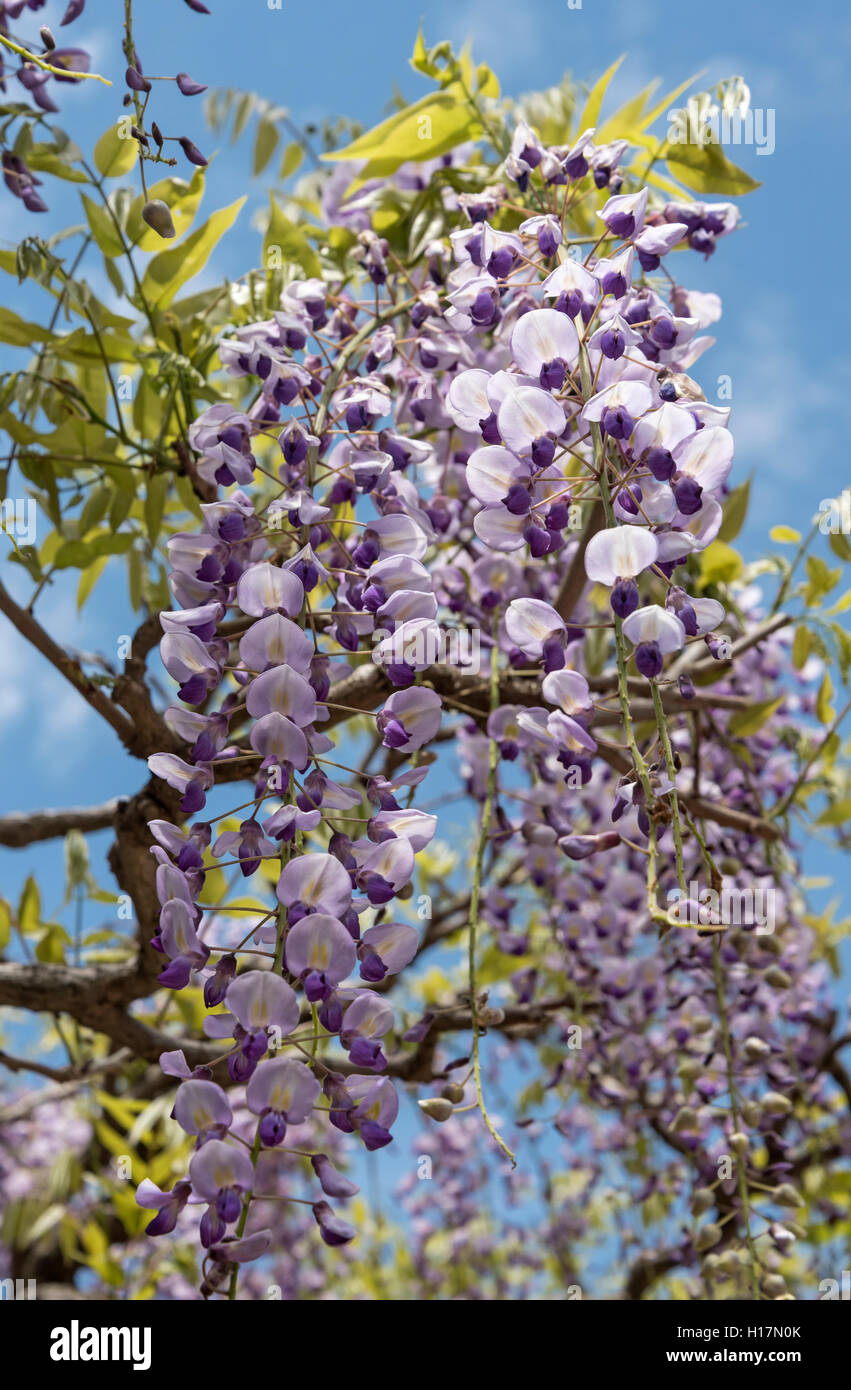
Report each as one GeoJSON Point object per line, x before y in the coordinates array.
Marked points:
{"type": "Point", "coordinates": [780, 277]}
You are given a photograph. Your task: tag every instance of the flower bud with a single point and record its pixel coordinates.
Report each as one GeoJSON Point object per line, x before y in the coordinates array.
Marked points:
{"type": "Point", "coordinates": [453, 1092]}
{"type": "Point", "coordinates": [707, 1236]}
{"type": "Point", "coordinates": [773, 1103]}
{"type": "Point", "coordinates": [756, 1049]}
{"type": "Point", "coordinates": [787, 1196]}
{"type": "Point", "coordinates": [777, 978]}
{"type": "Point", "coordinates": [730, 1263]}
{"type": "Point", "coordinates": [739, 1143]}
{"type": "Point", "coordinates": [489, 1018]}
{"type": "Point", "coordinates": [774, 1285]}
{"type": "Point", "coordinates": [702, 1200]}
{"type": "Point", "coordinates": [437, 1108]}
{"type": "Point", "coordinates": [685, 1119]}
{"type": "Point", "coordinates": [157, 215]}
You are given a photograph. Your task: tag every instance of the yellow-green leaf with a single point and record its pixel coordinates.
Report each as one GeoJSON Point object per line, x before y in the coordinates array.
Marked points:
{"type": "Point", "coordinates": [171, 269]}
{"type": "Point", "coordinates": [289, 241]}
{"type": "Point", "coordinates": [89, 578]}
{"type": "Point", "coordinates": [265, 144]}
{"type": "Point", "coordinates": [800, 647]}
{"type": "Point", "coordinates": [720, 564]}
{"type": "Point", "coordinates": [706, 169]}
{"type": "Point", "coordinates": [155, 492]}
{"type": "Point", "coordinates": [824, 710]}
{"type": "Point", "coordinates": [750, 721]}
{"type": "Point", "coordinates": [430, 127]}
{"type": "Point", "coordinates": [102, 227]}
{"type": "Point", "coordinates": [785, 535]}
{"type": "Point", "coordinates": [735, 511]}
{"type": "Point", "coordinates": [593, 106]}
{"type": "Point", "coordinates": [29, 907]}
{"type": "Point", "coordinates": [115, 154]}
{"type": "Point", "coordinates": [837, 814]}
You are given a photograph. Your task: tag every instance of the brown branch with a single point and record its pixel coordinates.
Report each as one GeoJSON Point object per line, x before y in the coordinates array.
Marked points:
{"type": "Point", "coordinates": [575, 577]}
{"type": "Point", "coordinates": [27, 827]}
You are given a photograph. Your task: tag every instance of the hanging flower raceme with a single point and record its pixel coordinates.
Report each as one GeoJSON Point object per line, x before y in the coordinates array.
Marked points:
{"type": "Point", "coordinates": [511, 433]}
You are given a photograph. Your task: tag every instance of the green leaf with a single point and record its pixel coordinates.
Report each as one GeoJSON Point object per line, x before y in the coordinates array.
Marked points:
{"type": "Point", "coordinates": [51, 946]}
{"type": "Point", "coordinates": [822, 579]}
{"type": "Point", "coordinates": [735, 511]}
{"type": "Point", "coordinates": [837, 814]}
{"type": "Point", "coordinates": [89, 578]}
{"type": "Point", "coordinates": [5, 924]}
{"type": "Point", "coordinates": [800, 647]}
{"type": "Point", "coordinates": [750, 721]}
{"type": "Point", "coordinates": [720, 564]}
{"type": "Point", "coordinates": [292, 157]}
{"type": "Point", "coordinates": [289, 239]}
{"type": "Point", "coordinates": [430, 127]}
{"type": "Point", "coordinates": [29, 907]}
{"type": "Point", "coordinates": [154, 505]}
{"type": "Point", "coordinates": [19, 332]}
{"type": "Point", "coordinates": [46, 159]}
{"type": "Point", "coordinates": [115, 154]}
{"type": "Point", "coordinates": [79, 554]}
{"type": "Point", "coordinates": [824, 710]}
{"type": "Point", "coordinates": [840, 546]}
{"type": "Point", "coordinates": [706, 169]}
{"type": "Point", "coordinates": [265, 144]}
{"type": "Point", "coordinates": [102, 227]}
{"type": "Point", "coordinates": [171, 269]}
{"type": "Point", "coordinates": [594, 105]}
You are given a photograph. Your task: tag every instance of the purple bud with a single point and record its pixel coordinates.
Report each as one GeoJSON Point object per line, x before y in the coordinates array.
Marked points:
{"type": "Point", "coordinates": [193, 154]}
{"type": "Point", "coordinates": [188, 86]}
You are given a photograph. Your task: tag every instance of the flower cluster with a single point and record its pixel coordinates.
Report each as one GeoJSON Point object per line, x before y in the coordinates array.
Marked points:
{"type": "Point", "coordinates": [503, 439]}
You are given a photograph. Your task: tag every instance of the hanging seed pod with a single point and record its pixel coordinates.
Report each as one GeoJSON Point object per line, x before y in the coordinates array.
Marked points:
{"type": "Point", "coordinates": [157, 215]}
{"type": "Point", "coordinates": [436, 1108]}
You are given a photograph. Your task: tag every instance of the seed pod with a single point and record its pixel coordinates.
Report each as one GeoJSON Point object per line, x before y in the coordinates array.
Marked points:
{"type": "Point", "coordinates": [772, 944]}
{"type": "Point", "coordinates": [453, 1092]}
{"type": "Point", "coordinates": [774, 1285]}
{"type": "Point", "coordinates": [491, 1017]}
{"type": "Point", "coordinates": [707, 1236]}
{"type": "Point", "coordinates": [773, 1103]}
{"type": "Point", "coordinates": [729, 1263]}
{"type": "Point", "coordinates": [777, 978]}
{"type": "Point", "coordinates": [685, 1119]}
{"type": "Point", "coordinates": [157, 215]}
{"type": "Point", "coordinates": [436, 1108]}
{"type": "Point", "coordinates": [787, 1196]}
